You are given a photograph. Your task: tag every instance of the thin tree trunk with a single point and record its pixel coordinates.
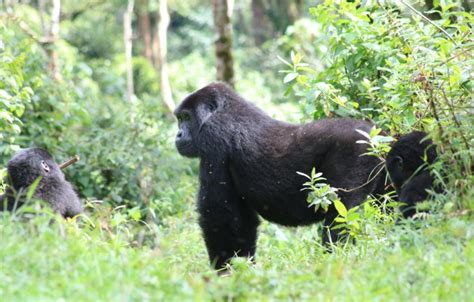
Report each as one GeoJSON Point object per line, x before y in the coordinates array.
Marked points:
{"type": "Point", "coordinates": [127, 37]}
{"type": "Point", "coordinates": [223, 27]}
{"type": "Point", "coordinates": [50, 36]}
{"type": "Point", "coordinates": [294, 10]}
{"type": "Point", "coordinates": [155, 47]}
{"type": "Point", "coordinates": [260, 22]}
{"type": "Point", "coordinates": [41, 15]}
{"type": "Point", "coordinates": [467, 5]}
{"type": "Point", "coordinates": [299, 4]}
{"type": "Point", "coordinates": [53, 55]}
{"type": "Point", "coordinates": [145, 29]}
{"type": "Point", "coordinates": [163, 23]}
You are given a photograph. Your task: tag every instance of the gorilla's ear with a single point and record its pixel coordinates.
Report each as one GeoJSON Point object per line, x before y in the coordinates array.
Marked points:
{"type": "Point", "coordinates": [398, 160]}
{"type": "Point", "coordinates": [205, 110]}
{"type": "Point", "coordinates": [208, 106]}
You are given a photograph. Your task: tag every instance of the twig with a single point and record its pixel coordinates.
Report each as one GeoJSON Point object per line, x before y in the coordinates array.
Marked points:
{"type": "Point", "coordinates": [455, 119]}
{"type": "Point", "coordinates": [464, 51]}
{"type": "Point", "coordinates": [365, 183]}
{"type": "Point", "coordinates": [69, 162]}
{"type": "Point", "coordinates": [427, 20]}
{"type": "Point", "coordinates": [26, 29]}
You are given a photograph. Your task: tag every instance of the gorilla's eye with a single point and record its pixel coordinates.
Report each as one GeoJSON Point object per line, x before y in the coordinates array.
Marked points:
{"type": "Point", "coordinates": [399, 161]}
{"type": "Point", "coordinates": [45, 166]}
{"type": "Point", "coordinates": [184, 117]}
{"type": "Point", "coordinates": [212, 106]}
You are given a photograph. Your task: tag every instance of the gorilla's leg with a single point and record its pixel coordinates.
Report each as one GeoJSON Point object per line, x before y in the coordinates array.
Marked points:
{"type": "Point", "coordinates": [331, 236]}
{"type": "Point", "coordinates": [228, 223]}
{"type": "Point", "coordinates": [332, 230]}
{"type": "Point", "coordinates": [229, 228]}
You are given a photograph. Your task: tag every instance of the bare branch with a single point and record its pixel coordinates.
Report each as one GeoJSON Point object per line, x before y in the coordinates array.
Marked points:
{"type": "Point", "coordinates": [427, 20]}
{"type": "Point", "coordinates": [66, 164]}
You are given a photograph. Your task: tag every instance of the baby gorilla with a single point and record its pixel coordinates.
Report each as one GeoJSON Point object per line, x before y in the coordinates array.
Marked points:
{"type": "Point", "coordinates": [27, 166]}
{"type": "Point", "coordinates": [407, 165]}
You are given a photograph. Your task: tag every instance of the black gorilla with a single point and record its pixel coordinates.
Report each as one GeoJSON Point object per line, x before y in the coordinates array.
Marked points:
{"type": "Point", "coordinates": [24, 168]}
{"type": "Point", "coordinates": [248, 165]}
{"type": "Point", "coordinates": [407, 165]}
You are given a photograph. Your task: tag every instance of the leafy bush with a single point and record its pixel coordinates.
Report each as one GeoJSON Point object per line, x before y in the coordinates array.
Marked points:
{"type": "Point", "coordinates": [392, 67]}
{"type": "Point", "coordinates": [123, 162]}
{"type": "Point", "coordinates": [15, 93]}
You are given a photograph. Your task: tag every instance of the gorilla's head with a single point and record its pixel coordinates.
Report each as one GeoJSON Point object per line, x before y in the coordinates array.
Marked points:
{"type": "Point", "coordinates": [194, 112]}
{"type": "Point", "coordinates": [409, 156]}
{"type": "Point", "coordinates": [26, 166]}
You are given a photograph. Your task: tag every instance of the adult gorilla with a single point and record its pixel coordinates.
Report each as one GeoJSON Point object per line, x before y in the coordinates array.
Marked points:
{"type": "Point", "coordinates": [248, 168]}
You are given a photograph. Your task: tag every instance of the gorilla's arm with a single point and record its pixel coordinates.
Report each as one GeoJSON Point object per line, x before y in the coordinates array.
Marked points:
{"type": "Point", "coordinates": [228, 224]}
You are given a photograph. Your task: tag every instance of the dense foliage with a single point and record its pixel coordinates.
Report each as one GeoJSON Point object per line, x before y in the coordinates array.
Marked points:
{"type": "Point", "coordinates": [400, 72]}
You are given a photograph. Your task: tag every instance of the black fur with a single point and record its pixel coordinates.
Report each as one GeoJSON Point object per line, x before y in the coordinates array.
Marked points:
{"type": "Point", "coordinates": [407, 165]}
{"type": "Point", "coordinates": [248, 165]}
{"type": "Point", "coordinates": [24, 168]}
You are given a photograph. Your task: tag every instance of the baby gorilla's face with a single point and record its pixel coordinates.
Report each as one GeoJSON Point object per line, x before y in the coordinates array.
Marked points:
{"type": "Point", "coordinates": [27, 165]}
{"type": "Point", "coordinates": [30, 164]}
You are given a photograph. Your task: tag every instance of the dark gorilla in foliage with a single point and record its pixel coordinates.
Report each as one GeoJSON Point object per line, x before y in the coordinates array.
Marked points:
{"type": "Point", "coordinates": [407, 165]}
{"type": "Point", "coordinates": [248, 165]}
{"type": "Point", "coordinates": [27, 166]}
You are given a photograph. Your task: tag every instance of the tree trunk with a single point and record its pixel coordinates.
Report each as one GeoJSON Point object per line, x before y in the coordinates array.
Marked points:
{"type": "Point", "coordinates": [294, 10]}
{"type": "Point", "coordinates": [261, 23]}
{"type": "Point", "coordinates": [155, 47]}
{"type": "Point", "coordinates": [163, 23]}
{"type": "Point", "coordinates": [41, 15]}
{"type": "Point", "coordinates": [145, 29]}
{"type": "Point", "coordinates": [223, 27]}
{"type": "Point", "coordinates": [50, 36]}
{"type": "Point", "coordinates": [467, 5]}
{"type": "Point", "coordinates": [53, 55]}
{"type": "Point", "coordinates": [127, 38]}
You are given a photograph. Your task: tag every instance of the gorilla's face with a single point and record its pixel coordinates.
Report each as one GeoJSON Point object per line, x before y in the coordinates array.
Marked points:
{"type": "Point", "coordinates": [186, 141]}
{"type": "Point", "coordinates": [26, 166]}
{"type": "Point", "coordinates": [193, 113]}
{"type": "Point", "coordinates": [398, 174]}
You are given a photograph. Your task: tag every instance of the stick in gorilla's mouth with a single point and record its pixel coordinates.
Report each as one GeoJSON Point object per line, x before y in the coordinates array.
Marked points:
{"type": "Point", "coordinates": [69, 162]}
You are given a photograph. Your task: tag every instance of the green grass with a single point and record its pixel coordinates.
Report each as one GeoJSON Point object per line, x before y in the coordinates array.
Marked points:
{"type": "Point", "coordinates": [41, 260]}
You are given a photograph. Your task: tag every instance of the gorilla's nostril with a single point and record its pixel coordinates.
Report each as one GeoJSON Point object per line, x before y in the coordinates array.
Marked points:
{"type": "Point", "coordinates": [180, 134]}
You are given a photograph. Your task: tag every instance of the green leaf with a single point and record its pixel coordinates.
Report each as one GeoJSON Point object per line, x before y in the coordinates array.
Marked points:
{"type": "Point", "coordinates": [32, 188]}
{"type": "Point", "coordinates": [340, 207]}
{"type": "Point", "coordinates": [338, 226]}
{"type": "Point", "coordinates": [302, 174]}
{"type": "Point", "coordinates": [365, 134]}
{"type": "Point", "coordinates": [374, 131]}
{"type": "Point", "coordinates": [284, 61]}
{"type": "Point", "coordinates": [290, 77]}
{"type": "Point", "coordinates": [135, 214]}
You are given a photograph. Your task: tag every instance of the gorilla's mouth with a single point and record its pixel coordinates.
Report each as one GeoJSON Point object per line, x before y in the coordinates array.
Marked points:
{"type": "Point", "coordinates": [183, 146]}
{"type": "Point", "coordinates": [186, 149]}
